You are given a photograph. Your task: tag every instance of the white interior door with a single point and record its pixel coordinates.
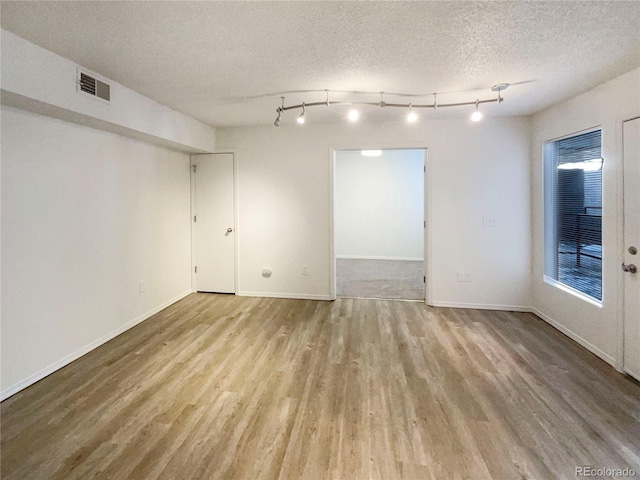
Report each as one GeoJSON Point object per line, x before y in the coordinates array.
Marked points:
{"type": "Point", "coordinates": [631, 138]}
{"type": "Point", "coordinates": [214, 222]}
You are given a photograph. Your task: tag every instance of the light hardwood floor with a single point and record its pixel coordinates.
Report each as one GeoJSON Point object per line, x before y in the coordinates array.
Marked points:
{"type": "Point", "coordinates": [241, 388]}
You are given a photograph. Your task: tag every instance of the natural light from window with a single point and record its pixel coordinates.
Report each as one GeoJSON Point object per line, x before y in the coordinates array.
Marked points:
{"type": "Point", "coordinates": [573, 212]}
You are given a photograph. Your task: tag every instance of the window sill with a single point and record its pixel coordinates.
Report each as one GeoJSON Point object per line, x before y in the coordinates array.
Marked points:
{"type": "Point", "coordinates": [572, 291]}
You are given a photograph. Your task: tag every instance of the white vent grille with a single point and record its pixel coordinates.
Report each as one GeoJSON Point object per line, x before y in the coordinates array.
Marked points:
{"type": "Point", "coordinates": [88, 84]}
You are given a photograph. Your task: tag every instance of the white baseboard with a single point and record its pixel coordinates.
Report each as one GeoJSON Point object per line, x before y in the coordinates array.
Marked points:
{"type": "Point", "coordinates": [482, 306]}
{"type": "Point", "coordinates": [31, 379]}
{"type": "Point", "coordinates": [364, 257]}
{"type": "Point", "coordinates": [518, 308]}
{"type": "Point", "coordinates": [293, 296]}
{"type": "Point", "coordinates": [576, 338]}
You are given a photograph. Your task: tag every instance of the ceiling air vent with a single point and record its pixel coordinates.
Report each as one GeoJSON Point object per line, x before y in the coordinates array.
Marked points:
{"type": "Point", "coordinates": [89, 84]}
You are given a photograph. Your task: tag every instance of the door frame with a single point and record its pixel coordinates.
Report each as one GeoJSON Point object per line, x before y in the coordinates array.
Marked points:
{"type": "Point", "coordinates": [194, 276]}
{"type": "Point", "coordinates": [622, 314]}
{"type": "Point", "coordinates": [427, 239]}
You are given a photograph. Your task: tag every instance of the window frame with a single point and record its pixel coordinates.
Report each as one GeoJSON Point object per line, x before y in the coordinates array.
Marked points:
{"type": "Point", "coordinates": [549, 211]}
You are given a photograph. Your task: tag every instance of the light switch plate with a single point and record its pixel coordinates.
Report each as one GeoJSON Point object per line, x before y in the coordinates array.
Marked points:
{"type": "Point", "coordinates": [489, 222]}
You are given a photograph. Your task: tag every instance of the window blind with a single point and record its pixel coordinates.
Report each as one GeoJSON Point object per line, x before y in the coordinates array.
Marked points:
{"type": "Point", "coordinates": [577, 164]}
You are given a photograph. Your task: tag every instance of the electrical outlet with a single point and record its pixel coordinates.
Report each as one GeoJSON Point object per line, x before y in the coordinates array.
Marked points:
{"type": "Point", "coordinates": [305, 269]}
{"type": "Point", "coordinates": [143, 287]}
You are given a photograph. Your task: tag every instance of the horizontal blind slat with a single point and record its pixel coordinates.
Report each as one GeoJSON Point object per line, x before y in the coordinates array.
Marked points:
{"type": "Point", "coordinates": [578, 212]}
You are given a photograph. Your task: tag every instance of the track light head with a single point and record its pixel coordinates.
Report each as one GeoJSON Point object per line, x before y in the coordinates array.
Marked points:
{"type": "Point", "coordinates": [300, 119]}
{"type": "Point", "coordinates": [353, 113]}
{"type": "Point", "coordinates": [477, 115]}
{"type": "Point", "coordinates": [411, 117]}
{"type": "Point", "coordinates": [278, 118]}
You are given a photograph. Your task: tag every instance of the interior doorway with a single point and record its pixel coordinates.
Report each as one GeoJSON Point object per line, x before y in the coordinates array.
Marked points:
{"type": "Point", "coordinates": [379, 223]}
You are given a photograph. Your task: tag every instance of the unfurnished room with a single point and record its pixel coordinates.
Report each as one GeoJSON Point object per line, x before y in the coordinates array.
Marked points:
{"type": "Point", "coordinates": [319, 240]}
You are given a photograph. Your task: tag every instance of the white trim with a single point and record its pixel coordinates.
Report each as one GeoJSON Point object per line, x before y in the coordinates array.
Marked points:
{"type": "Point", "coordinates": [383, 299]}
{"type": "Point", "coordinates": [236, 241]}
{"type": "Point", "coordinates": [31, 379]}
{"type": "Point", "coordinates": [572, 291]}
{"type": "Point", "coordinates": [428, 236]}
{"type": "Point", "coordinates": [582, 131]}
{"type": "Point", "coordinates": [293, 296]}
{"type": "Point", "coordinates": [427, 239]}
{"type": "Point", "coordinates": [518, 308]}
{"type": "Point", "coordinates": [483, 306]}
{"type": "Point", "coordinates": [621, 316]}
{"type": "Point", "coordinates": [635, 375]}
{"type": "Point", "coordinates": [575, 337]}
{"type": "Point", "coordinates": [192, 206]}
{"type": "Point", "coordinates": [366, 257]}
{"type": "Point", "coordinates": [333, 277]}
{"type": "Point", "coordinates": [236, 210]}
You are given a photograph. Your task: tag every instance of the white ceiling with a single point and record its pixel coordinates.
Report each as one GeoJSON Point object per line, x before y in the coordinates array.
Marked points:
{"type": "Point", "coordinates": [205, 58]}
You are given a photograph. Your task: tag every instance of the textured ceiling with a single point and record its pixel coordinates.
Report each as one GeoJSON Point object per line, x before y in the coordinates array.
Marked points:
{"type": "Point", "coordinates": [205, 58]}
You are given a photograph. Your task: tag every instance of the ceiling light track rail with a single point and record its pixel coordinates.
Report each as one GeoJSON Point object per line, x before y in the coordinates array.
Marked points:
{"type": "Point", "coordinates": [383, 104]}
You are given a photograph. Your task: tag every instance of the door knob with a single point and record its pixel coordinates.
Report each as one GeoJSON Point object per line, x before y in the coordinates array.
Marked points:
{"type": "Point", "coordinates": [229, 230]}
{"type": "Point", "coordinates": [633, 250]}
{"type": "Point", "coordinates": [631, 268]}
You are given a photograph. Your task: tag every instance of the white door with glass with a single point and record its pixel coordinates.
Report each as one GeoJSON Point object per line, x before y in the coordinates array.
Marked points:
{"type": "Point", "coordinates": [214, 222]}
{"type": "Point", "coordinates": [631, 152]}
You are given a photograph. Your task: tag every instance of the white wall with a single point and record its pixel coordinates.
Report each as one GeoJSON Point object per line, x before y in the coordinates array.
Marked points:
{"type": "Point", "coordinates": [476, 170]}
{"type": "Point", "coordinates": [40, 81]}
{"type": "Point", "coordinates": [597, 328]}
{"type": "Point", "coordinates": [86, 216]}
{"type": "Point", "coordinates": [379, 205]}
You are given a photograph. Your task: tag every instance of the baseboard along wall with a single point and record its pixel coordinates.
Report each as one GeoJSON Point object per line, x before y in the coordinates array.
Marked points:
{"type": "Point", "coordinates": [15, 388]}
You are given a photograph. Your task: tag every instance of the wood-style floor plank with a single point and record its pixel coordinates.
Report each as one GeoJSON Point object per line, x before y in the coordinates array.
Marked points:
{"type": "Point", "coordinates": [224, 387]}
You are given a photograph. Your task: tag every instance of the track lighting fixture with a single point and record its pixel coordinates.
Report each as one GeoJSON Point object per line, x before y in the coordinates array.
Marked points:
{"type": "Point", "coordinates": [354, 113]}
{"type": "Point", "coordinates": [279, 117]}
{"type": "Point", "coordinates": [477, 115]}
{"type": "Point", "coordinates": [300, 119]}
{"type": "Point", "coordinates": [411, 117]}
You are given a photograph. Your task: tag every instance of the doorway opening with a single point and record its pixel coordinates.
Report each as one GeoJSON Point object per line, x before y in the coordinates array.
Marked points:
{"type": "Point", "coordinates": [379, 224]}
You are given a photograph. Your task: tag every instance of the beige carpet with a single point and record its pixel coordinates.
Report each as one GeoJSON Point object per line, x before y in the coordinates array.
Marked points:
{"type": "Point", "coordinates": [399, 279]}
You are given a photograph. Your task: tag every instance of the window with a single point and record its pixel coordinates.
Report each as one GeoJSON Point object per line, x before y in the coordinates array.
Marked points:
{"type": "Point", "coordinates": [573, 212]}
